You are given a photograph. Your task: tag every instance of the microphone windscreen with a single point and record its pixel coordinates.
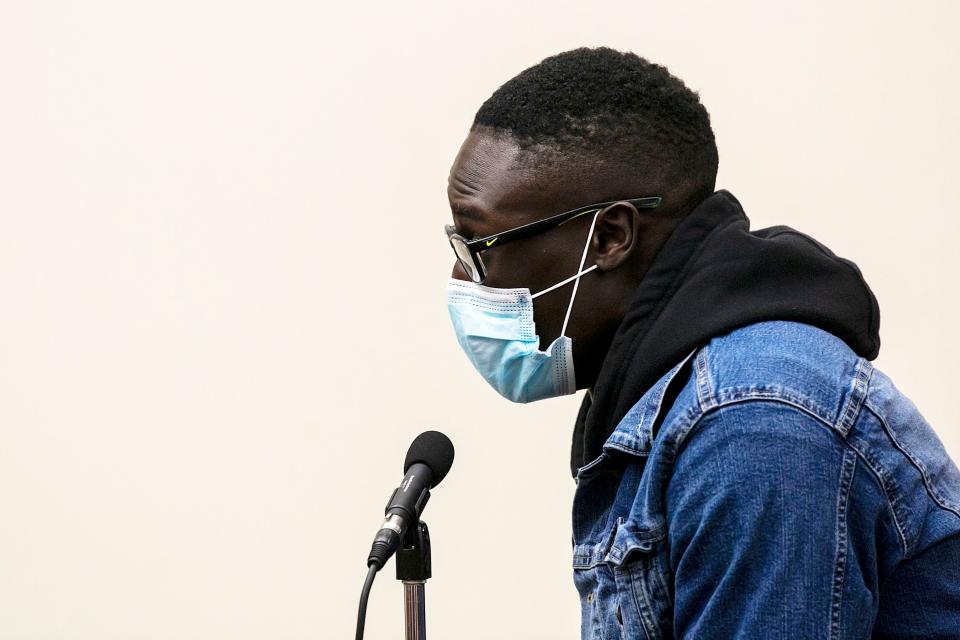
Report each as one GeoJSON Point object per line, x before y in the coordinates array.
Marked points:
{"type": "Point", "coordinates": [433, 449]}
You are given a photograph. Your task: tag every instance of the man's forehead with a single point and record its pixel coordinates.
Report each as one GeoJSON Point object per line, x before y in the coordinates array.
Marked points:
{"type": "Point", "coordinates": [481, 155]}
{"type": "Point", "coordinates": [491, 177]}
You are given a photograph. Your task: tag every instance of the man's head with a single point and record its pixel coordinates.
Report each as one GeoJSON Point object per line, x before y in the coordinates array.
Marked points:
{"type": "Point", "coordinates": [584, 126]}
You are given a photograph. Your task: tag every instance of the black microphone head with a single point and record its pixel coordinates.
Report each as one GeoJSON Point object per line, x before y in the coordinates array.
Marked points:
{"type": "Point", "coordinates": [433, 449]}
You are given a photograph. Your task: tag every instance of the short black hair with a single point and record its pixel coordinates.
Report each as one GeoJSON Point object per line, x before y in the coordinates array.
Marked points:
{"type": "Point", "coordinates": [611, 106]}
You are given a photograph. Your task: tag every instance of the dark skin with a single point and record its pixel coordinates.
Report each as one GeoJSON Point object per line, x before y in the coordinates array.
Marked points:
{"type": "Point", "coordinates": [489, 193]}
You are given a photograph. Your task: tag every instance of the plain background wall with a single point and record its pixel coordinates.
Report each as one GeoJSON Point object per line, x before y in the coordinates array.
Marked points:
{"type": "Point", "coordinates": [222, 277]}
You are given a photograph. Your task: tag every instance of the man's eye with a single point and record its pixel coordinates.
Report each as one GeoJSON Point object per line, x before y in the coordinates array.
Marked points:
{"type": "Point", "coordinates": [467, 233]}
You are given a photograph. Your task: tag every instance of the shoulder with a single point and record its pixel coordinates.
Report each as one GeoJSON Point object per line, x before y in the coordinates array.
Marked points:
{"type": "Point", "coordinates": [763, 431]}
{"type": "Point", "coordinates": [772, 403]}
{"type": "Point", "coordinates": [781, 360]}
{"type": "Point", "coordinates": [768, 369]}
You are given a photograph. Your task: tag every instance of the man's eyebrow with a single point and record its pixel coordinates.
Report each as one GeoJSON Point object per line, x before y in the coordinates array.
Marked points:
{"type": "Point", "coordinates": [465, 212]}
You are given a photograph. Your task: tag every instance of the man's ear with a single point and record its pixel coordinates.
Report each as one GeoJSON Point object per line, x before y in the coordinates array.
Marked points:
{"type": "Point", "coordinates": [615, 235]}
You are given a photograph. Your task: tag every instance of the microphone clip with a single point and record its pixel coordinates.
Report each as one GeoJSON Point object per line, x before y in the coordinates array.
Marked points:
{"type": "Point", "coordinates": [413, 557]}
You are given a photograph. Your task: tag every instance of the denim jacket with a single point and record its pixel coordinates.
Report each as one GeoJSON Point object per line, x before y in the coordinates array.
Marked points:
{"type": "Point", "coordinates": [772, 484]}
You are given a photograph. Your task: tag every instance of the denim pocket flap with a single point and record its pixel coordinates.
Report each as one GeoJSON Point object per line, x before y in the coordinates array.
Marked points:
{"type": "Point", "coordinates": [632, 538]}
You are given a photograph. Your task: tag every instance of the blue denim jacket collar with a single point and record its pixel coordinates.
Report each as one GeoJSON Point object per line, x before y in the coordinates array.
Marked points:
{"type": "Point", "coordinates": [634, 433]}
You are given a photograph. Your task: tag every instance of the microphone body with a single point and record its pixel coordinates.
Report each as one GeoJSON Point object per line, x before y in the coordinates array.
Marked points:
{"type": "Point", "coordinates": [404, 507]}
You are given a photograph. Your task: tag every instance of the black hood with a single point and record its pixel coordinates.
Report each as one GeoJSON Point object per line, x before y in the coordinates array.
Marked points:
{"type": "Point", "coordinates": [711, 276]}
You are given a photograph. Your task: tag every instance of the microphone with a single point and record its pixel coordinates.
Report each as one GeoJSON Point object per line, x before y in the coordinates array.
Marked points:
{"type": "Point", "coordinates": [428, 460]}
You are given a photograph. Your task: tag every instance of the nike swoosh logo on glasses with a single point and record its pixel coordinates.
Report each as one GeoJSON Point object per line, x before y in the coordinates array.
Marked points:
{"type": "Point", "coordinates": [489, 243]}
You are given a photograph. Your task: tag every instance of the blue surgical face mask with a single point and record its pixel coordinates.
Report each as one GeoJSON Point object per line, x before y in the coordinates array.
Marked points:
{"type": "Point", "coordinates": [496, 330]}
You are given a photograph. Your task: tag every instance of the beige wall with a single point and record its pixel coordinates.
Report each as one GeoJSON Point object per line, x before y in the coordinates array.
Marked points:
{"type": "Point", "coordinates": [210, 367]}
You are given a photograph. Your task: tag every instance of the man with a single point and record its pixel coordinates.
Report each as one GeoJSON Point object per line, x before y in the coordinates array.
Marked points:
{"type": "Point", "coordinates": [743, 471]}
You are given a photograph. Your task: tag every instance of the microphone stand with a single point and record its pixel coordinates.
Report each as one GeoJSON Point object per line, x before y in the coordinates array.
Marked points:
{"type": "Point", "coordinates": [413, 568]}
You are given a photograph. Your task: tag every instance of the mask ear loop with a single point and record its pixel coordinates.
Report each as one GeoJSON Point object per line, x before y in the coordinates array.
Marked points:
{"type": "Point", "coordinates": [559, 284]}
{"type": "Point", "coordinates": [580, 272]}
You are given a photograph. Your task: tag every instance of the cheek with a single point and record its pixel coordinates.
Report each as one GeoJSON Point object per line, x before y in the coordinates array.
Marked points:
{"type": "Point", "coordinates": [505, 268]}
{"type": "Point", "coordinates": [555, 264]}
{"type": "Point", "coordinates": [536, 263]}
{"type": "Point", "coordinates": [548, 312]}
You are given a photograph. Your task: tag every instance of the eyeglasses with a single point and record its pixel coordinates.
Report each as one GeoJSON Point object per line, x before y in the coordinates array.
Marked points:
{"type": "Point", "coordinates": [468, 251]}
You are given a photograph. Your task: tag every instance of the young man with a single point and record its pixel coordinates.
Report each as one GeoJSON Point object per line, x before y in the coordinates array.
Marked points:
{"type": "Point", "coordinates": [743, 471]}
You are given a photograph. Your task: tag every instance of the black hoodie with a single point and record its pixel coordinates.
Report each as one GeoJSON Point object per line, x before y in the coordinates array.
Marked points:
{"type": "Point", "coordinates": [711, 276]}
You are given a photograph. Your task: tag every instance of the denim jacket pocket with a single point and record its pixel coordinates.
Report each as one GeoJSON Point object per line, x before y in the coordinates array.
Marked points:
{"type": "Point", "coordinates": [640, 562]}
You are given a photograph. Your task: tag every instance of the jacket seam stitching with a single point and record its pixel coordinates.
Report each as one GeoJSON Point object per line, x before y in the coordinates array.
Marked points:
{"type": "Point", "coordinates": [705, 397]}
{"type": "Point", "coordinates": [856, 397]}
{"type": "Point", "coordinates": [847, 470]}
{"type": "Point", "coordinates": [683, 433]}
{"type": "Point", "coordinates": [643, 610]}
{"type": "Point", "coordinates": [933, 492]}
{"type": "Point", "coordinates": [725, 397]}
{"type": "Point", "coordinates": [877, 470]}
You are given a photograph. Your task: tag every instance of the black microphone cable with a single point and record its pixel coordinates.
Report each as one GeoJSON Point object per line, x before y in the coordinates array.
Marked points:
{"type": "Point", "coordinates": [364, 596]}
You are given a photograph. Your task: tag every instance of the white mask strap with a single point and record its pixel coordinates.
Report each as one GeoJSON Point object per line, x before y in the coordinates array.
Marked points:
{"type": "Point", "coordinates": [575, 277]}
{"type": "Point", "coordinates": [563, 282]}
{"type": "Point", "coordinates": [576, 283]}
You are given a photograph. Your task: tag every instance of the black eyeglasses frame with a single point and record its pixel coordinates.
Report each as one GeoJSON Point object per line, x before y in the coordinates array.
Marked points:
{"type": "Point", "coordinates": [473, 248]}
